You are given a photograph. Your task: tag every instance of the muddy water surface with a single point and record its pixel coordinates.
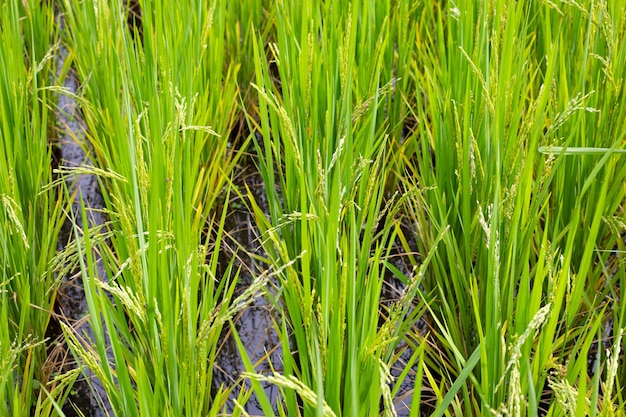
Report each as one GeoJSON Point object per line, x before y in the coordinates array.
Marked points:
{"type": "Point", "coordinates": [88, 394]}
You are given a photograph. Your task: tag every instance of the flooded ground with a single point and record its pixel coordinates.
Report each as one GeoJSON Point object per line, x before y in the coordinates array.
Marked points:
{"type": "Point", "coordinates": [255, 325]}
{"type": "Point", "coordinates": [71, 306]}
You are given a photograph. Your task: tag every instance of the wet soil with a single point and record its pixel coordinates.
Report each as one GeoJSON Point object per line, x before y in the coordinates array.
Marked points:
{"type": "Point", "coordinates": [255, 325]}
{"type": "Point", "coordinates": [73, 151]}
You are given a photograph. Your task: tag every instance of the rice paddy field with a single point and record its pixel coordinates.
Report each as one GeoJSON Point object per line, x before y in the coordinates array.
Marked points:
{"type": "Point", "coordinates": [316, 208]}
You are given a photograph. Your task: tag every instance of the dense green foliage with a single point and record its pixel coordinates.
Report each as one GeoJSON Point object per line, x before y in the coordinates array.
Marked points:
{"type": "Point", "coordinates": [30, 215]}
{"type": "Point", "coordinates": [481, 142]}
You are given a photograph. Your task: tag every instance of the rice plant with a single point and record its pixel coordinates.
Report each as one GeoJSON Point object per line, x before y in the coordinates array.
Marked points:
{"type": "Point", "coordinates": [30, 212]}
{"type": "Point", "coordinates": [523, 276]}
{"type": "Point", "coordinates": [323, 116]}
{"type": "Point", "coordinates": [158, 105]}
